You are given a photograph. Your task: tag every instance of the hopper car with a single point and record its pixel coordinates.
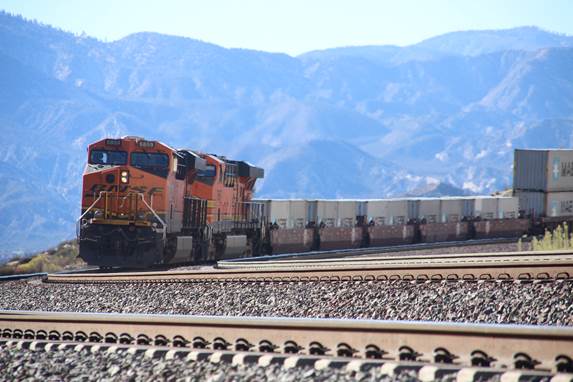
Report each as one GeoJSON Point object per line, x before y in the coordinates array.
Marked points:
{"type": "Point", "coordinates": [145, 203]}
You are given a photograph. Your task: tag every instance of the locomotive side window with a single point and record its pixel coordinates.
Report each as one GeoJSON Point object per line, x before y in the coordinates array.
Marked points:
{"type": "Point", "coordinates": [208, 175]}
{"type": "Point", "coordinates": [108, 157]}
{"type": "Point", "coordinates": [155, 163]}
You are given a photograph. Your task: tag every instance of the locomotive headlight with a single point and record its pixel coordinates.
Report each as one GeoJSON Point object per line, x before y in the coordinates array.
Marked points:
{"type": "Point", "coordinates": [124, 176]}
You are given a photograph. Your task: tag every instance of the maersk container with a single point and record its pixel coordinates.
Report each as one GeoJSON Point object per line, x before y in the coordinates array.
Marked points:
{"type": "Point", "coordinates": [543, 170]}
{"type": "Point", "coordinates": [545, 204]}
{"type": "Point", "coordinates": [507, 207]}
{"type": "Point", "coordinates": [486, 207]}
{"type": "Point", "coordinates": [429, 210]}
{"type": "Point", "coordinates": [454, 209]}
{"type": "Point", "coordinates": [559, 204]}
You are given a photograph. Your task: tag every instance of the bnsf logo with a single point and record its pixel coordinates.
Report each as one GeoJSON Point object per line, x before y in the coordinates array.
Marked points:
{"type": "Point", "coordinates": [97, 188]}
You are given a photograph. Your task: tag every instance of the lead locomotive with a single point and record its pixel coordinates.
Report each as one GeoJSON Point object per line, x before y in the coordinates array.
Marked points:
{"type": "Point", "coordinates": [145, 203]}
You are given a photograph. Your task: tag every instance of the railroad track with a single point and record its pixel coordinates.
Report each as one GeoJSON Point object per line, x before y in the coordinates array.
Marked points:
{"type": "Point", "coordinates": [329, 254]}
{"type": "Point", "coordinates": [454, 346]}
{"type": "Point", "coordinates": [342, 253]}
{"type": "Point", "coordinates": [527, 266]}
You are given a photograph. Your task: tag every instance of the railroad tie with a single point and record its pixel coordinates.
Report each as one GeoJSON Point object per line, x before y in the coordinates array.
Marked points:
{"type": "Point", "coordinates": [431, 373]}
{"type": "Point", "coordinates": [394, 368]}
{"type": "Point", "coordinates": [246, 358]}
{"type": "Point", "coordinates": [271, 359]}
{"type": "Point", "coordinates": [199, 355]}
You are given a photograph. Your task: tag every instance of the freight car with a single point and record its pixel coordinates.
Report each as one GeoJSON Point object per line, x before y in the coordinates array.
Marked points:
{"type": "Point", "coordinates": [303, 225]}
{"type": "Point", "coordinates": [145, 203]}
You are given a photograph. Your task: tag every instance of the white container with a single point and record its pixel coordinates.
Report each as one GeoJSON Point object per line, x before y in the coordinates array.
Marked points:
{"type": "Point", "coordinates": [278, 212]}
{"type": "Point", "coordinates": [508, 207]}
{"type": "Point", "coordinates": [429, 209]}
{"type": "Point", "coordinates": [327, 212]}
{"type": "Point", "coordinates": [397, 211]}
{"type": "Point", "coordinates": [454, 209]}
{"type": "Point", "coordinates": [377, 211]}
{"type": "Point", "coordinates": [286, 213]}
{"type": "Point", "coordinates": [543, 170]}
{"type": "Point", "coordinates": [346, 213]}
{"type": "Point", "coordinates": [297, 214]}
{"type": "Point", "coordinates": [486, 207]}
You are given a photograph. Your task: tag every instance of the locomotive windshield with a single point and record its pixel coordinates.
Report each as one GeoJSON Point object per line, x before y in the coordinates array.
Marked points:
{"type": "Point", "coordinates": [156, 163]}
{"type": "Point", "coordinates": [108, 157]}
{"type": "Point", "coordinates": [207, 175]}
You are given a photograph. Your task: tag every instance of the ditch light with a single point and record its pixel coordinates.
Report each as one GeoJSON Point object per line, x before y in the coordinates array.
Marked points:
{"type": "Point", "coordinates": [124, 176]}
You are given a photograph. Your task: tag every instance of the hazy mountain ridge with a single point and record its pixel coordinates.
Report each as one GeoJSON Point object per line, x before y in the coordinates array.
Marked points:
{"type": "Point", "coordinates": [346, 122]}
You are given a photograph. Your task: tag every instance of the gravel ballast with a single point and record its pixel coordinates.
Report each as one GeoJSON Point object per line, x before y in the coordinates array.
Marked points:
{"type": "Point", "coordinates": [60, 365]}
{"type": "Point", "coordinates": [461, 301]}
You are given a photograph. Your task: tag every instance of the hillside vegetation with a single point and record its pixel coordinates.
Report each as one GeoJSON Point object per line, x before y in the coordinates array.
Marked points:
{"type": "Point", "coordinates": [62, 257]}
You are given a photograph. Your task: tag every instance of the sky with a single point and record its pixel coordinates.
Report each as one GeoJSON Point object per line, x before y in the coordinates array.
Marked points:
{"type": "Point", "coordinates": [294, 26]}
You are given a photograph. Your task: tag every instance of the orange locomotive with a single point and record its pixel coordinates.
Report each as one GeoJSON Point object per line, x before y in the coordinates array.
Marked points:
{"type": "Point", "coordinates": [145, 203]}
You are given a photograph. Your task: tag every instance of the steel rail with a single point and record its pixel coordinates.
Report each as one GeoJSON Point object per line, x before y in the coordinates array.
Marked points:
{"type": "Point", "coordinates": [508, 266]}
{"type": "Point", "coordinates": [373, 258]}
{"type": "Point", "coordinates": [343, 253]}
{"type": "Point", "coordinates": [507, 346]}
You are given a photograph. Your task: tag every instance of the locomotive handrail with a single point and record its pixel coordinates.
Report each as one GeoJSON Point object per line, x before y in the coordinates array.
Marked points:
{"type": "Point", "coordinates": [92, 206]}
{"type": "Point", "coordinates": [84, 214]}
{"type": "Point", "coordinates": [164, 226]}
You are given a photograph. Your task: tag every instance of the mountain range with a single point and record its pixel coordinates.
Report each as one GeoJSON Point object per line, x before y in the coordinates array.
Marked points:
{"type": "Point", "coordinates": [440, 116]}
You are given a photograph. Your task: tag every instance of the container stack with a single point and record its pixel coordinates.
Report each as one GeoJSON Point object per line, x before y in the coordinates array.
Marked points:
{"type": "Point", "coordinates": [543, 182]}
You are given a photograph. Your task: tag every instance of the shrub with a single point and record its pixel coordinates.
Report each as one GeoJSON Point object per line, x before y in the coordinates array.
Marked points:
{"type": "Point", "coordinates": [559, 238]}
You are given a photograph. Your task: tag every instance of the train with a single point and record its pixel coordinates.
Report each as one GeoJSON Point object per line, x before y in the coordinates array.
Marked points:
{"type": "Point", "coordinates": [145, 203]}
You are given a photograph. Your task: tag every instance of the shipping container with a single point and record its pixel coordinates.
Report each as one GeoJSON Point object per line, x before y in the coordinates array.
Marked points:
{"type": "Point", "coordinates": [454, 209]}
{"type": "Point", "coordinates": [286, 213]}
{"type": "Point", "coordinates": [508, 207]}
{"type": "Point", "coordinates": [400, 211]}
{"type": "Point", "coordinates": [377, 212]}
{"type": "Point", "coordinates": [486, 207]}
{"type": "Point", "coordinates": [346, 213]}
{"type": "Point", "coordinates": [543, 170]}
{"type": "Point", "coordinates": [429, 210]}
{"type": "Point", "coordinates": [297, 214]}
{"type": "Point", "coordinates": [327, 212]}
{"type": "Point", "coordinates": [545, 204]}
